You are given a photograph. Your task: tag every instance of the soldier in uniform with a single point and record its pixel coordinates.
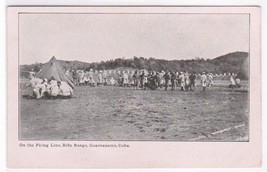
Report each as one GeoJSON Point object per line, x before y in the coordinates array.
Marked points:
{"type": "Point", "coordinates": [167, 77]}
{"type": "Point", "coordinates": [204, 81]}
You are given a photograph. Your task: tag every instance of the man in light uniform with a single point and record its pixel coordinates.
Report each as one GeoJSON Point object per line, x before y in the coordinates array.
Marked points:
{"type": "Point", "coordinates": [204, 81]}
{"type": "Point", "coordinates": [112, 81]}
{"type": "Point", "coordinates": [40, 88]}
{"type": "Point", "coordinates": [52, 89]}
{"type": "Point", "coordinates": [167, 77]}
{"type": "Point", "coordinates": [182, 81]}
{"type": "Point", "coordinates": [232, 82]}
{"type": "Point", "coordinates": [86, 78]}
{"type": "Point", "coordinates": [173, 81]}
{"type": "Point", "coordinates": [31, 74]}
{"type": "Point", "coordinates": [33, 82]}
{"type": "Point", "coordinates": [125, 79]}
{"type": "Point", "coordinates": [210, 79]}
{"type": "Point", "coordinates": [81, 77]}
{"type": "Point", "coordinates": [105, 77]}
{"type": "Point", "coordinates": [100, 78]}
{"type": "Point", "coordinates": [136, 80]}
{"type": "Point", "coordinates": [65, 91]}
{"type": "Point", "coordinates": [187, 80]}
{"type": "Point", "coordinates": [91, 78]}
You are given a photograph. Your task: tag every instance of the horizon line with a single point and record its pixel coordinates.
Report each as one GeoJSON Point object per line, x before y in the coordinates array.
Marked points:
{"type": "Point", "coordinates": [126, 58]}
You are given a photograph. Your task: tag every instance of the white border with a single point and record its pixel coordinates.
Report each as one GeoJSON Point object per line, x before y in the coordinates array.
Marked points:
{"type": "Point", "coordinates": [3, 5]}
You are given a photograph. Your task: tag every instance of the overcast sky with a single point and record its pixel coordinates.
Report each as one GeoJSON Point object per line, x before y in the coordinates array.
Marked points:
{"type": "Point", "coordinates": [101, 37]}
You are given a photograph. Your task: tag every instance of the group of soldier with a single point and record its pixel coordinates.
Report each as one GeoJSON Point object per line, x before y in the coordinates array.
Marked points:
{"type": "Point", "coordinates": [50, 89]}
{"type": "Point", "coordinates": [166, 79]}
{"type": "Point", "coordinates": [143, 79]}
{"type": "Point", "coordinates": [139, 79]}
{"type": "Point", "coordinates": [87, 78]}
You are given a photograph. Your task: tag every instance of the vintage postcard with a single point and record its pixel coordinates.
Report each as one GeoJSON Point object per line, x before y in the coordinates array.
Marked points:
{"type": "Point", "coordinates": [134, 87]}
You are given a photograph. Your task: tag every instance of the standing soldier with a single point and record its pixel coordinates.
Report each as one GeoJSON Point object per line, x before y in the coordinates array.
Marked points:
{"type": "Point", "coordinates": [161, 74]}
{"type": "Point", "coordinates": [75, 77]}
{"type": "Point", "coordinates": [142, 79]}
{"type": "Point", "coordinates": [145, 80]}
{"type": "Point", "coordinates": [105, 77]}
{"type": "Point", "coordinates": [204, 81]}
{"type": "Point", "coordinates": [187, 80]}
{"type": "Point", "coordinates": [158, 79]}
{"type": "Point", "coordinates": [182, 81]}
{"type": "Point", "coordinates": [32, 74]}
{"type": "Point", "coordinates": [86, 78]}
{"type": "Point", "coordinates": [136, 80]}
{"type": "Point", "coordinates": [173, 81]}
{"type": "Point", "coordinates": [120, 80]}
{"type": "Point", "coordinates": [210, 80]}
{"type": "Point", "coordinates": [100, 78]}
{"type": "Point", "coordinates": [167, 78]}
{"type": "Point", "coordinates": [232, 82]}
{"type": "Point", "coordinates": [177, 81]}
{"type": "Point", "coordinates": [192, 78]}
{"type": "Point", "coordinates": [91, 78]}
{"type": "Point", "coordinates": [125, 79]}
{"type": "Point", "coordinates": [81, 77]}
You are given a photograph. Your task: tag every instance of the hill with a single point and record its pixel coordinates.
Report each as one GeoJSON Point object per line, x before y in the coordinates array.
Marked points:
{"type": "Point", "coordinates": [223, 64]}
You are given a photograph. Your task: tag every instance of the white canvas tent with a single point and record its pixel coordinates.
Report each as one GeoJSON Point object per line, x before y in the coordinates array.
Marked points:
{"type": "Point", "coordinates": [53, 70]}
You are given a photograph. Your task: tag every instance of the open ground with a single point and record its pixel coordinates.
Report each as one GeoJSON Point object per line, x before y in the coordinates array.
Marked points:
{"type": "Point", "coordinates": [121, 113]}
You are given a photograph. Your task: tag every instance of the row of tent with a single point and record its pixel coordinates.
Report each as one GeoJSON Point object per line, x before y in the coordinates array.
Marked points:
{"type": "Point", "coordinates": [53, 70]}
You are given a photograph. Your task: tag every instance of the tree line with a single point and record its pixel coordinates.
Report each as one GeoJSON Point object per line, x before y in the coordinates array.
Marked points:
{"type": "Point", "coordinates": [224, 64]}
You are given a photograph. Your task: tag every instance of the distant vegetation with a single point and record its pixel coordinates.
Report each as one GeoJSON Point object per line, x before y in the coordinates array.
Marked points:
{"type": "Point", "coordinates": [224, 64]}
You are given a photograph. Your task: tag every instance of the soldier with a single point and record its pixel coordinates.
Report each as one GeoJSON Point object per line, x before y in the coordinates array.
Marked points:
{"type": "Point", "coordinates": [52, 89]}
{"type": "Point", "coordinates": [112, 81]}
{"type": "Point", "coordinates": [86, 78]}
{"type": "Point", "coordinates": [100, 78]}
{"type": "Point", "coordinates": [204, 81]}
{"type": "Point", "coordinates": [65, 91]}
{"type": "Point", "coordinates": [125, 79]}
{"type": "Point", "coordinates": [143, 79]}
{"type": "Point", "coordinates": [162, 80]}
{"type": "Point", "coordinates": [187, 80]}
{"type": "Point", "coordinates": [232, 82]}
{"type": "Point", "coordinates": [173, 81]}
{"type": "Point", "coordinates": [192, 78]}
{"type": "Point", "coordinates": [105, 78]}
{"type": "Point", "coordinates": [75, 77]}
{"type": "Point", "coordinates": [31, 74]}
{"type": "Point", "coordinates": [182, 81]}
{"type": "Point", "coordinates": [210, 79]}
{"type": "Point", "coordinates": [158, 79]}
{"type": "Point", "coordinates": [91, 78]}
{"type": "Point", "coordinates": [136, 80]}
{"type": "Point", "coordinates": [167, 77]}
{"type": "Point", "coordinates": [40, 89]}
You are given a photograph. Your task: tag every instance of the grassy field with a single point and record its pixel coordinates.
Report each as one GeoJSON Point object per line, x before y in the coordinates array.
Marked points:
{"type": "Point", "coordinates": [117, 113]}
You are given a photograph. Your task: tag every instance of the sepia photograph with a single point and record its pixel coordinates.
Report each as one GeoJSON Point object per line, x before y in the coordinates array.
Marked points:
{"type": "Point", "coordinates": [158, 77]}
{"type": "Point", "coordinates": [134, 87]}
{"type": "Point", "coordinates": [134, 77]}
